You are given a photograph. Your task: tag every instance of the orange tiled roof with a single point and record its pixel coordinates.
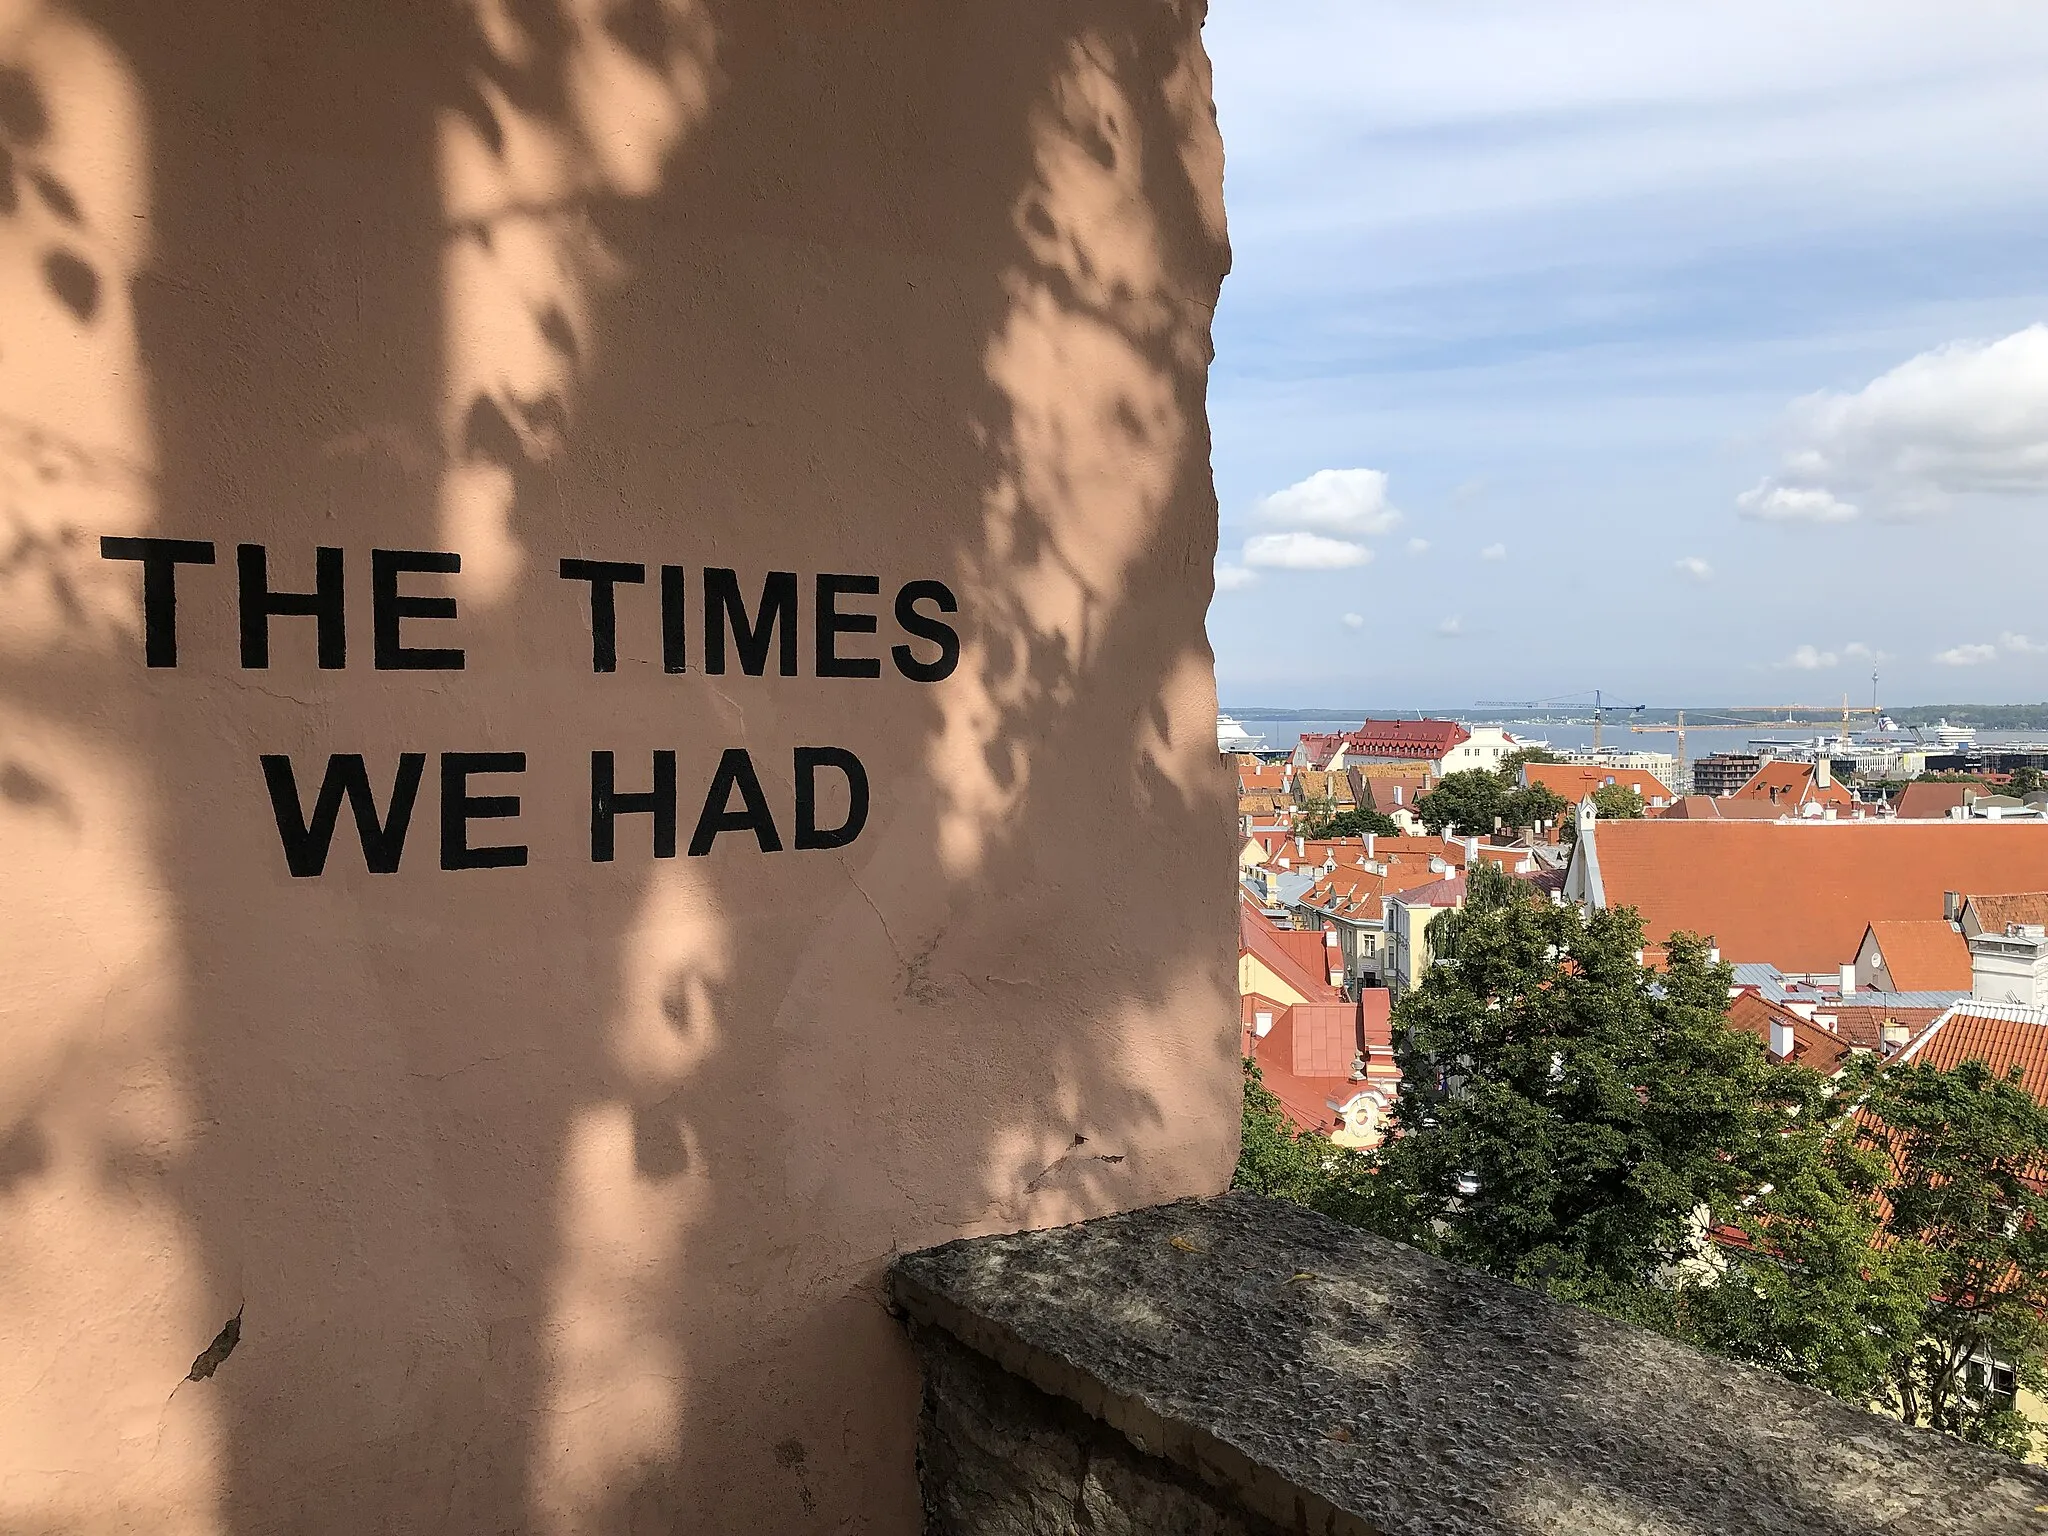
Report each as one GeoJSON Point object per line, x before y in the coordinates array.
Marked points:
{"type": "Point", "coordinates": [1352, 894]}
{"type": "Point", "coordinates": [1706, 808]}
{"type": "Point", "coordinates": [1800, 893]}
{"type": "Point", "coordinates": [2000, 1043]}
{"type": "Point", "coordinates": [1812, 1046]}
{"type": "Point", "coordinates": [1388, 787]}
{"type": "Point", "coordinates": [1791, 785]}
{"type": "Point", "coordinates": [1575, 781]}
{"type": "Point", "coordinates": [1994, 912]}
{"type": "Point", "coordinates": [1450, 852]}
{"type": "Point", "coordinates": [1266, 778]}
{"type": "Point", "coordinates": [1259, 938]}
{"type": "Point", "coordinates": [1932, 802]}
{"type": "Point", "coordinates": [1693, 808]}
{"type": "Point", "coordinates": [1306, 1058]}
{"type": "Point", "coordinates": [1863, 1026]}
{"type": "Point", "coordinates": [1923, 954]}
{"type": "Point", "coordinates": [1319, 784]}
{"type": "Point", "coordinates": [1309, 949]}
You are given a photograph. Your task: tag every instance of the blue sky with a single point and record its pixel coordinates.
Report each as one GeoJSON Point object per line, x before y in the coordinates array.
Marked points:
{"type": "Point", "coordinates": [1704, 347]}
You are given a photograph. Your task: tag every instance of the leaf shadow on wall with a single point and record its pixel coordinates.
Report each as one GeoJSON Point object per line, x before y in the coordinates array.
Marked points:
{"type": "Point", "coordinates": [559, 1198]}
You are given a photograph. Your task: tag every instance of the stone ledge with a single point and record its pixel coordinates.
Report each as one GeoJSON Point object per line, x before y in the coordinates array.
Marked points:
{"type": "Point", "coordinates": [1319, 1379]}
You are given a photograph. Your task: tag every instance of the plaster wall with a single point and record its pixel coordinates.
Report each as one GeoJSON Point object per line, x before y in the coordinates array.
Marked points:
{"type": "Point", "coordinates": [557, 1196]}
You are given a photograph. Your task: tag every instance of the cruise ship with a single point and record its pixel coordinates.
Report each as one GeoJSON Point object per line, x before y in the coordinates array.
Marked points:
{"type": "Point", "coordinates": [1232, 737]}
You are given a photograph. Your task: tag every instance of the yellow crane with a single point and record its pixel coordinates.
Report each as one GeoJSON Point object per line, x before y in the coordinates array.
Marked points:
{"type": "Point", "coordinates": [1788, 710]}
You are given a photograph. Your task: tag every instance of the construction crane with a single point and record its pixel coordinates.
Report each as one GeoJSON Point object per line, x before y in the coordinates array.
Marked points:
{"type": "Point", "coordinates": [1788, 710]}
{"type": "Point", "coordinates": [1599, 707]}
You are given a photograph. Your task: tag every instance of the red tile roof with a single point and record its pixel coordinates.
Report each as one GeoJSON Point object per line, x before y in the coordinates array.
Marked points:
{"type": "Point", "coordinates": [1994, 912]}
{"type": "Point", "coordinates": [1306, 1058]}
{"type": "Point", "coordinates": [1575, 781]}
{"type": "Point", "coordinates": [1932, 802]}
{"type": "Point", "coordinates": [1800, 893]}
{"type": "Point", "coordinates": [1405, 738]}
{"type": "Point", "coordinates": [1693, 808]}
{"type": "Point", "coordinates": [1309, 949]}
{"type": "Point", "coordinates": [1266, 778]}
{"type": "Point", "coordinates": [1389, 787]}
{"type": "Point", "coordinates": [1812, 1046]}
{"type": "Point", "coordinates": [1791, 785]}
{"type": "Point", "coordinates": [1923, 954]}
{"type": "Point", "coordinates": [1351, 894]}
{"type": "Point", "coordinates": [2001, 1043]}
{"type": "Point", "coordinates": [1319, 746]}
{"type": "Point", "coordinates": [1260, 939]}
{"type": "Point", "coordinates": [1438, 893]}
{"type": "Point", "coordinates": [1863, 1026]}
{"type": "Point", "coordinates": [1326, 1040]}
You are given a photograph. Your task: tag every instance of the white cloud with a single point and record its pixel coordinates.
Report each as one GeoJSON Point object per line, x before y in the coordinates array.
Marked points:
{"type": "Point", "coordinates": [2020, 645]}
{"type": "Point", "coordinates": [1856, 650]}
{"type": "Point", "coordinates": [1967, 655]}
{"type": "Point", "coordinates": [1967, 418]}
{"type": "Point", "coordinates": [1494, 552]}
{"type": "Point", "coordinates": [1418, 546]}
{"type": "Point", "coordinates": [1808, 658]}
{"type": "Point", "coordinates": [1233, 578]}
{"type": "Point", "coordinates": [1695, 567]}
{"type": "Point", "coordinates": [1767, 502]}
{"type": "Point", "coordinates": [1303, 552]}
{"type": "Point", "coordinates": [1354, 621]}
{"type": "Point", "coordinates": [1451, 627]}
{"type": "Point", "coordinates": [1346, 501]}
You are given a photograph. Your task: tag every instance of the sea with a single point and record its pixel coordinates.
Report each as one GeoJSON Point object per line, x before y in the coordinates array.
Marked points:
{"type": "Point", "coordinates": [1282, 732]}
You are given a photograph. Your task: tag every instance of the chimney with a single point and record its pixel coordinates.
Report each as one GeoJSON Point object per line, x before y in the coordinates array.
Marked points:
{"type": "Point", "coordinates": [1397, 795]}
{"type": "Point", "coordinates": [2011, 967]}
{"type": "Point", "coordinates": [1892, 1035]}
{"type": "Point", "coordinates": [1781, 1037]}
{"type": "Point", "coordinates": [1368, 844]}
{"type": "Point", "coordinates": [1848, 979]}
{"type": "Point", "coordinates": [1301, 845]}
{"type": "Point", "coordinates": [1952, 906]}
{"type": "Point", "coordinates": [1823, 772]}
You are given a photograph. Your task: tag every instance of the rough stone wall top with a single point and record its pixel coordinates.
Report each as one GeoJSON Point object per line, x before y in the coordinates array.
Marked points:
{"type": "Point", "coordinates": [1337, 1382]}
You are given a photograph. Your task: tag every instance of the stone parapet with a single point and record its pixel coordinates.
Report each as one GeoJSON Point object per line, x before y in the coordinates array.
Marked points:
{"type": "Point", "coordinates": [1238, 1365]}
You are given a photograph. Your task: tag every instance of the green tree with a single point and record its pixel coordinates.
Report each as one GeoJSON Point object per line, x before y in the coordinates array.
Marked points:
{"type": "Point", "coordinates": [1320, 818]}
{"type": "Point", "coordinates": [1806, 1287]}
{"type": "Point", "coordinates": [1359, 822]}
{"type": "Point", "coordinates": [1566, 1113]}
{"type": "Point", "coordinates": [1966, 1151]}
{"type": "Point", "coordinates": [1313, 814]}
{"type": "Point", "coordinates": [1466, 803]}
{"type": "Point", "coordinates": [2027, 781]}
{"type": "Point", "coordinates": [1510, 768]}
{"type": "Point", "coordinates": [1617, 802]}
{"type": "Point", "coordinates": [1523, 808]}
{"type": "Point", "coordinates": [1274, 1159]}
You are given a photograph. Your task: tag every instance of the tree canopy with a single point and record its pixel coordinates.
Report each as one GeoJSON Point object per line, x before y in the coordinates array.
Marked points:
{"type": "Point", "coordinates": [1319, 819]}
{"type": "Point", "coordinates": [1466, 803]}
{"type": "Point", "coordinates": [1577, 1121]}
{"type": "Point", "coordinates": [1471, 802]}
{"type": "Point", "coordinates": [1565, 1113]}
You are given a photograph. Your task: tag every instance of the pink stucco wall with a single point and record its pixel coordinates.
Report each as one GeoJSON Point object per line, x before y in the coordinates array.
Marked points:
{"type": "Point", "coordinates": [555, 1197]}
